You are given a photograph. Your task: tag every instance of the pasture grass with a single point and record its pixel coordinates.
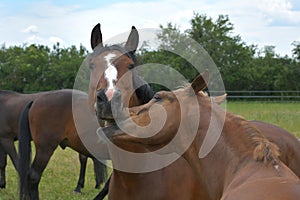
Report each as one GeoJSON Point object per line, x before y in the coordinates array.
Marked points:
{"type": "Point", "coordinates": [285, 114]}
{"type": "Point", "coordinates": [60, 176]}
{"type": "Point", "coordinates": [58, 180]}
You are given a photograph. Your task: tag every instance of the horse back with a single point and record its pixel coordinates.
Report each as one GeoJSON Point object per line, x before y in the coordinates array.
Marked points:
{"type": "Point", "coordinates": [11, 106]}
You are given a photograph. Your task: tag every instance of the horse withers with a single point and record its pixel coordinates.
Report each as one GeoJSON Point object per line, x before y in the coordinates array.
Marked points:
{"type": "Point", "coordinates": [243, 163]}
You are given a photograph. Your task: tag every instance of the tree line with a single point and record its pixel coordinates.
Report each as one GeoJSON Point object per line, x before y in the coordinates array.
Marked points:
{"type": "Point", "coordinates": [243, 67]}
{"type": "Point", "coordinates": [38, 68]}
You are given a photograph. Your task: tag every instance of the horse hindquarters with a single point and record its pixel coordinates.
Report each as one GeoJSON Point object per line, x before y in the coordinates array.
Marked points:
{"type": "Point", "coordinates": [24, 136]}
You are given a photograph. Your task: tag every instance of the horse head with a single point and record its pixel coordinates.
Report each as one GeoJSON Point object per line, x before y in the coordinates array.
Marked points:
{"type": "Point", "coordinates": [156, 123]}
{"type": "Point", "coordinates": [112, 68]}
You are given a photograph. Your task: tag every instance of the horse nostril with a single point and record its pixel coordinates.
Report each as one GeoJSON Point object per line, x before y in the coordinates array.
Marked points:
{"type": "Point", "coordinates": [109, 93]}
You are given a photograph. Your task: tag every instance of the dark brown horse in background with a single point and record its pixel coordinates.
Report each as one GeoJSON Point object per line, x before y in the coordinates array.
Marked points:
{"type": "Point", "coordinates": [50, 123]}
{"type": "Point", "coordinates": [11, 105]}
{"type": "Point", "coordinates": [243, 164]}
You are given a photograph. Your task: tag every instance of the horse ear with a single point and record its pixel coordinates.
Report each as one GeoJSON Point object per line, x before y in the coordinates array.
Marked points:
{"type": "Point", "coordinates": [219, 99]}
{"type": "Point", "coordinates": [133, 40]}
{"type": "Point", "coordinates": [200, 82]}
{"type": "Point", "coordinates": [96, 36]}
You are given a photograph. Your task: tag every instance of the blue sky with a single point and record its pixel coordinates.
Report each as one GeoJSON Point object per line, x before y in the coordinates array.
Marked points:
{"type": "Point", "coordinates": [261, 22]}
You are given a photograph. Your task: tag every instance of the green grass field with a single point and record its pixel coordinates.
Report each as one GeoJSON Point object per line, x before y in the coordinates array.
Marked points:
{"type": "Point", "coordinates": [285, 115]}
{"type": "Point", "coordinates": [61, 174]}
{"type": "Point", "coordinates": [58, 181]}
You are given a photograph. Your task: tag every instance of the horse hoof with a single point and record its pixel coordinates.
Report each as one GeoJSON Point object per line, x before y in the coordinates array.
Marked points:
{"type": "Point", "coordinates": [97, 186]}
{"type": "Point", "coordinates": [2, 186]}
{"type": "Point", "coordinates": [77, 191]}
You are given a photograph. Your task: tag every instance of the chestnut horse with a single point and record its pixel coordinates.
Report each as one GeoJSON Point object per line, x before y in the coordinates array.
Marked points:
{"type": "Point", "coordinates": [164, 183]}
{"type": "Point", "coordinates": [51, 124]}
{"type": "Point", "coordinates": [11, 105]}
{"type": "Point", "coordinates": [243, 163]}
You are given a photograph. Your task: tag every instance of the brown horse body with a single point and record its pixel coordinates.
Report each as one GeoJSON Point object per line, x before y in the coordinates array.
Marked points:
{"type": "Point", "coordinates": [243, 163]}
{"type": "Point", "coordinates": [51, 123]}
{"type": "Point", "coordinates": [11, 106]}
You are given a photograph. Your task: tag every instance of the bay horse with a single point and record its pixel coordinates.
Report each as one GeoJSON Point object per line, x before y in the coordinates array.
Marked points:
{"type": "Point", "coordinates": [11, 105]}
{"type": "Point", "coordinates": [243, 164]}
{"type": "Point", "coordinates": [127, 185]}
{"type": "Point", "coordinates": [50, 123]}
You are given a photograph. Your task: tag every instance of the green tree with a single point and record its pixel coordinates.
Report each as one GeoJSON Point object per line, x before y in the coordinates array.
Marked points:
{"type": "Point", "coordinates": [231, 55]}
{"type": "Point", "coordinates": [38, 68]}
{"type": "Point", "coordinates": [296, 50]}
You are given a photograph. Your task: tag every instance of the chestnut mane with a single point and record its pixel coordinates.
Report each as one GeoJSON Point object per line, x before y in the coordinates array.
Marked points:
{"type": "Point", "coordinates": [264, 151]}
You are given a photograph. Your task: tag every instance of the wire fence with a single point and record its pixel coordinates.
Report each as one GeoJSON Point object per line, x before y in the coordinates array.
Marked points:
{"type": "Point", "coordinates": [264, 95]}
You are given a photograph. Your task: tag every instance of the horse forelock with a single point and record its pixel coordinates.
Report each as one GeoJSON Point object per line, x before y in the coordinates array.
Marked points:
{"type": "Point", "coordinates": [100, 49]}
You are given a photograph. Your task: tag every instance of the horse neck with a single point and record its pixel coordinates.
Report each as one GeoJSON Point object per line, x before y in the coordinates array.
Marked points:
{"type": "Point", "coordinates": [231, 151]}
{"type": "Point", "coordinates": [129, 96]}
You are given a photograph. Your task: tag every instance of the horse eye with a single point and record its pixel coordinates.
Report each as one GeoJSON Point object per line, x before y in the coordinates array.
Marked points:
{"type": "Point", "coordinates": [92, 66]}
{"type": "Point", "coordinates": [157, 98]}
{"type": "Point", "coordinates": [131, 66]}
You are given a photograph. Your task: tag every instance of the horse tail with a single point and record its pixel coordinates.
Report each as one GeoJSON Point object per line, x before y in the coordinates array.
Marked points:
{"type": "Point", "coordinates": [104, 191]}
{"type": "Point", "coordinates": [100, 171]}
{"type": "Point", "coordinates": [24, 136]}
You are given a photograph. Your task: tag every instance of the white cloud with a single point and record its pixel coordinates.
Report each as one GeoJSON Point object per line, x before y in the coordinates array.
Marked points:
{"type": "Point", "coordinates": [33, 39]}
{"type": "Point", "coordinates": [31, 29]}
{"type": "Point", "coordinates": [279, 12]}
{"type": "Point", "coordinates": [54, 39]}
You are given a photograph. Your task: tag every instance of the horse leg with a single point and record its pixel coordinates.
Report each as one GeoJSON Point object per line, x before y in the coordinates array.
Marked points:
{"type": "Point", "coordinates": [39, 164]}
{"type": "Point", "coordinates": [100, 172]}
{"type": "Point", "coordinates": [3, 162]}
{"type": "Point", "coordinates": [8, 146]}
{"type": "Point", "coordinates": [104, 191]}
{"type": "Point", "coordinates": [80, 183]}
{"type": "Point", "coordinates": [97, 174]}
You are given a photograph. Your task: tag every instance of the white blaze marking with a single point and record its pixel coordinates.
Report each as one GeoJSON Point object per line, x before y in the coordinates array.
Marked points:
{"type": "Point", "coordinates": [111, 75]}
{"type": "Point", "coordinates": [111, 72]}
